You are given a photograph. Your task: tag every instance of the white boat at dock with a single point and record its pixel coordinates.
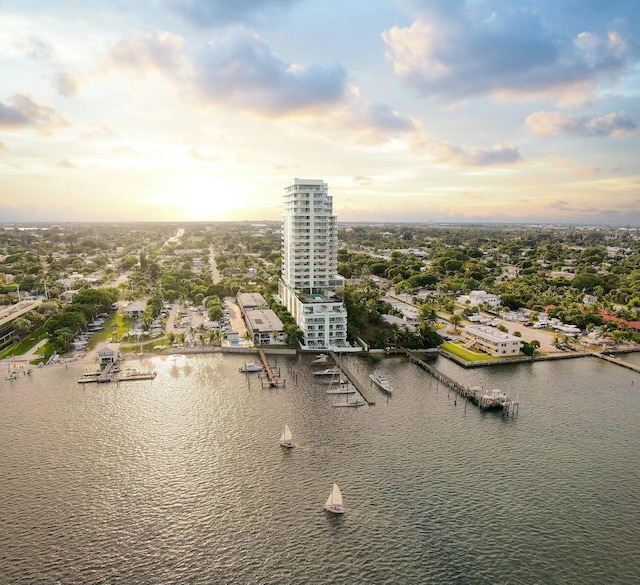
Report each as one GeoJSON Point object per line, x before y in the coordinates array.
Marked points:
{"type": "Point", "coordinates": [328, 372]}
{"type": "Point", "coordinates": [344, 389]}
{"type": "Point", "coordinates": [250, 368]}
{"type": "Point", "coordinates": [379, 380]}
{"type": "Point", "coordinates": [321, 359]}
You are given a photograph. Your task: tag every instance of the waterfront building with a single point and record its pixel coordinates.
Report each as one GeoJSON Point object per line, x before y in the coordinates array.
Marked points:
{"type": "Point", "coordinates": [265, 327]}
{"type": "Point", "coordinates": [310, 286]}
{"type": "Point", "coordinates": [490, 340]}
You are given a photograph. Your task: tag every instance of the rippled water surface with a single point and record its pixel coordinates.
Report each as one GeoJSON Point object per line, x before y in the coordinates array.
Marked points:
{"type": "Point", "coordinates": [181, 479]}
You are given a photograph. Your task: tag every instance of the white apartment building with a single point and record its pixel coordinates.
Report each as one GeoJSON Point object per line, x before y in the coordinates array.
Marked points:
{"type": "Point", "coordinates": [491, 341]}
{"type": "Point", "coordinates": [477, 297]}
{"type": "Point", "coordinates": [311, 287]}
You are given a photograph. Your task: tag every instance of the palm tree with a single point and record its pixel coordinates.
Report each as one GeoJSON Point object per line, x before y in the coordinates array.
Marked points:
{"type": "Point", "coordinates": [427, 314]}
{"type": "Point", "coordinates": [534, 344]}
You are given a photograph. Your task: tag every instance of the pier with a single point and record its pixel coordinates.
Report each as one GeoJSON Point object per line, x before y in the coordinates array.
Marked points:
{"type": "Point", "coordinates": [618, 362]}
{"type": "Point", "coordinates": [271, 373]}
{"type": "Point", "coordinates": [107, 374]}
{"type": "Point", "coordinates": [364, 392]}
{"type": "Point", "coordinates": [491, 400]}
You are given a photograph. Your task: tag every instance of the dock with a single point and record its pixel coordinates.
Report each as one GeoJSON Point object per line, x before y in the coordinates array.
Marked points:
{"type": "Point", "coordinates": [618, 362]}
{"type": "Point", "coordinates": [108, 374]}
{"type": "Point", "coordinates": [133, 374]}
{"type": "Point", "coordinates": [364, 392]}
{"type": "Point", "coordinates": [271, 373]}
{"type": "Point", "coordinates": [486, 400]}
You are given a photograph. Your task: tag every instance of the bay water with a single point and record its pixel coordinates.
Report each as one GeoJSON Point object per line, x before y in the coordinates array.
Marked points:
{"type": "Point", "coordinates": [181, 479]}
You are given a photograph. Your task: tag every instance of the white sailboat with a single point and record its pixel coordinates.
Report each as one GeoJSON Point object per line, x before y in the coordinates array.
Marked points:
{"type": "Point", "coordinates": [334, 501]}
{"type": "Point", "coordinates": [11, 372]}
{"type": "Point", "coordinates": [286, 439]}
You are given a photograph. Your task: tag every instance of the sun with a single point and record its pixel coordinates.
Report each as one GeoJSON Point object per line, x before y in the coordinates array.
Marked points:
{"type": "Point", "coordinates": [199, 197]}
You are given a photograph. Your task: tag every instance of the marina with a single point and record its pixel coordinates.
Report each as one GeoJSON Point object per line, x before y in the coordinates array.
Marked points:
{"type": "Point", "coordinates": [207, 478]}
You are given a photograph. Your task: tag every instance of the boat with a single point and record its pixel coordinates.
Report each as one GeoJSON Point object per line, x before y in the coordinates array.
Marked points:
{"type": "Point", "coordinates": [334, 501]}
{"type": "Point", "coordinates": [343, 389]}
{"type": "Point", "coordinates": [327, 372]}
{"type": "Point", "coordinates": [379, 380]}
{"type": "Point", "coordinates": [286, 439]}
{"type": "Point", "coordinates": [321, 358]}
{"type": "Point", "coordinates": [250, 368]}
{"type": "Point", "coordinates": [11, 373]}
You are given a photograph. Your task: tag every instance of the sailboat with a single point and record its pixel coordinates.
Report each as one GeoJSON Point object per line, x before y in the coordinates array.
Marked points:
{"type": "Point", "coordinates": [11, 373]}
{"type": "Point", "coordinates": [334, 501]}
{"type": "Point", "coordinates": [286, 439]}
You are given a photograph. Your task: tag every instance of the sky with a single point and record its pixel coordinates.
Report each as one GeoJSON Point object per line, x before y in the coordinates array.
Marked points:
{"type": "Point", "coordinates": [410, 110]}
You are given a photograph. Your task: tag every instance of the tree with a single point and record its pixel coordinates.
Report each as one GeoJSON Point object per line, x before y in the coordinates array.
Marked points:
{"type": "Point", "coordinates": [455, 320]}
{"type": "Point", "coordinates": [427, 314]}
{"type": "Point", "coordinates": [21, 327]}
{"type": "Point", "coordinates": [534, 344]}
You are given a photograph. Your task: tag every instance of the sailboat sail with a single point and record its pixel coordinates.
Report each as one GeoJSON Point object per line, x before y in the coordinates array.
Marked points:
{"type": "Point", "coordinates": [286, 439]}
{"type": "Point", "coordinates": [334, 501]}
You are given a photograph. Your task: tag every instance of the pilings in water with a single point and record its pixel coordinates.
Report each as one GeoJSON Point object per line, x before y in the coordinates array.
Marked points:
{"type": "Point", "coordinates": [271, 373]}
{"type": "Point", "coordinates": [492, 400]}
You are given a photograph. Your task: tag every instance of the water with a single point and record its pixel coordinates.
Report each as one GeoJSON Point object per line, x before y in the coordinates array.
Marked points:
{"type": "Point", "coordinates": [181, 479]}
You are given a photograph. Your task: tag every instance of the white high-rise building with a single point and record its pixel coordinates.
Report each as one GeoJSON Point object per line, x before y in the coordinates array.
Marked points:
{"type": "Point", "coordinates": [311, 287]}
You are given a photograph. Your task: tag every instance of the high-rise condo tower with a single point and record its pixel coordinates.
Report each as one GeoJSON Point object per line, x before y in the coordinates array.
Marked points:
{"type": "Point", "coordinates": [311, 287]}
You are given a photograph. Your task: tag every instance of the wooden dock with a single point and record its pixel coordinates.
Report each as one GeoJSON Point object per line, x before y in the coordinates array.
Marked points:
{"type": "Point", "coordinates": [364, 392]}
{"type": "Point", "coordinates": [270, 373]}
{"type": "Point", "coordinates": [135, 375]}
{"type": "Point", "coordinates": [492, 400]}
{"type": "Point", "coordinates": [107, 374]}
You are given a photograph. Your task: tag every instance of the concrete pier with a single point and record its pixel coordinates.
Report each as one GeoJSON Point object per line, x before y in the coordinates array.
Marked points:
{"type": "Point", "coordinates": [364, 392]}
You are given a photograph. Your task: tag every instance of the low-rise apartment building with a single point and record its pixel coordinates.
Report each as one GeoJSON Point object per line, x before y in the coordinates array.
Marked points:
{"type": "Point", "coordinates": [491, 341]}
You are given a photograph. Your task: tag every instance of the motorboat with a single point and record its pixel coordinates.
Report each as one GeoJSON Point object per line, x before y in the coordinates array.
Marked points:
{"type": "Point", "coordinates": [379, 380]}
{"type": "Point", "coordinates": [250, 368]}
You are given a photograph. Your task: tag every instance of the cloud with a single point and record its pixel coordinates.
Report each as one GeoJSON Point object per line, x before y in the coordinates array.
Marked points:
{"type": "Point", "coordinates": [159, 51]}
{"type": "Point", "coordinates": [617, 125]}
{"type": "Point", "coordinates": [240, 70]}
{"type": "Point", "coordinates": [23, 111]}
{"type": "Point", "coordinates": [503, 49]}
{"type": "Point", "coordinates": [215, 13]}
{"type": "Point", "coordinates": [464, 155]}
{"type": "Point", "coordinates": [66, 83]}
{"type": "Point", "coordinates": [4, 147]}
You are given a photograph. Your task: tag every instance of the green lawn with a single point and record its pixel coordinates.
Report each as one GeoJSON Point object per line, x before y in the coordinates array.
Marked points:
{"type": "Point", "coordinates": [26, 344]}
{"type": "Point", "coordinates": [465, 354]}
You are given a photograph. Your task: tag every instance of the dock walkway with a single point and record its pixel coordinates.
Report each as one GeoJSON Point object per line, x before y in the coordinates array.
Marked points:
{"type": "Point", "coordinates": [617, 361]}
{"type": "Point", "coordinates": [477, 395]}
{"type": "Point", "coordinates": [273, 377]}
{"type": "Point", "coordinates": [364, 392]}
{"type": "Point", "coordinates": [107, 374]}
